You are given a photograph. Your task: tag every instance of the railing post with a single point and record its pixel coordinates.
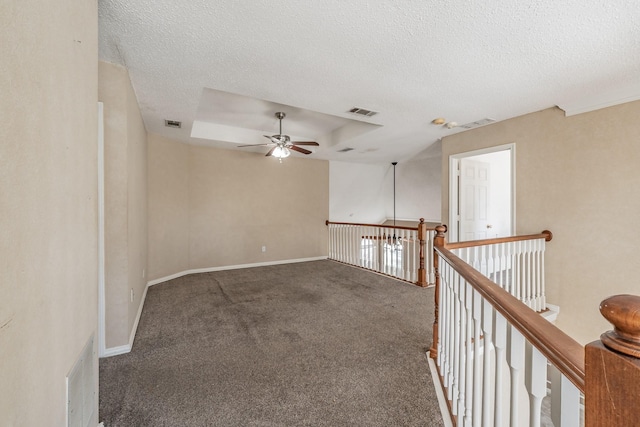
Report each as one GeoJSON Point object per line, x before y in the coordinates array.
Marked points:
{"type": "Point", "coordinates": [422, 238]}
{"type": "Point", "coordinates": [612, 366]}
{"type": "Point", "coordinates": [438, 241]}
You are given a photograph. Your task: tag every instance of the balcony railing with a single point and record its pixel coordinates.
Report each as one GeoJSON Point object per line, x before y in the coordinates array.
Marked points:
{"type": "Point", "coordinates": [400, 252]}
{"type": "Point", "coordinates": [493, 354]}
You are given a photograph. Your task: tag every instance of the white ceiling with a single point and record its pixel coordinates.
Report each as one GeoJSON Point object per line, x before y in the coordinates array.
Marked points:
{"type": "Point", "coordinates": [225, 67]}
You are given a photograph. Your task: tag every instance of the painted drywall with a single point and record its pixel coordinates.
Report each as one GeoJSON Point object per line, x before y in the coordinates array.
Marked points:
{"type": "Point", "coordinates": [125, 143]}
{"type": "Point", "coordinates": [418, 187]}
{"type": "Point", "coordinates": [237, 203]}
{"type": "Point", "coordinates": [48, 205]}
{"type": "Point", "coordinates": [363, 193]}
{"type": "Point", "coordinates": [168, 203]}
{"type": "Point", "coordinates": [357, 192]}
{"type": "Point", "coordinates": [578, 177]}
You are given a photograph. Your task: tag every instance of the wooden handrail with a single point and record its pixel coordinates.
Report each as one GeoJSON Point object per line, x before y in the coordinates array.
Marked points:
{"type": "Point", "coordinates": [546, 234]}
{"type": "Point", "coordinates": [396, 227]}
{"type": "Point", "coordinates": [559, 348]}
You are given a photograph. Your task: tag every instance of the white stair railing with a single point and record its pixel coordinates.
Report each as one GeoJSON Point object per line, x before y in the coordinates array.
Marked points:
{"type": "Point", "coordinates": [401, 252]}
{"type": "Point", "coordinates": [516, 264]}
{"type": "Point", "coordinates": [492, 353]}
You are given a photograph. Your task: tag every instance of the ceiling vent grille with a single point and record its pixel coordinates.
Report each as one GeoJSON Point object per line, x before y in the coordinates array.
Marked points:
{"type": "Point", "coordinates": [344, 150]}
{"type": "Point", "coordinates": [476, 123]}
{"type": "Point", "coordinates": [173, 124]}
{"type": "Point", "coordinates": [363, 112]}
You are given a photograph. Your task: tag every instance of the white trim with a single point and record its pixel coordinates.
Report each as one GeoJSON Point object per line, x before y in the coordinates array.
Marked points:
{"type": "Point", "coordinates": [231, 267]}
{"type": "Point", "coordinates": [101, 242]}
{"type": "Point", "coordinates": [115, 351]}
{"type": "Point", "coordinates": [570, 110]}
{"type": "Point", "coordinates": [132, 336]}
{"type": "Point", "coordinates": [442, 401]}
{"type": "Point", "coordinates": [454, 160]}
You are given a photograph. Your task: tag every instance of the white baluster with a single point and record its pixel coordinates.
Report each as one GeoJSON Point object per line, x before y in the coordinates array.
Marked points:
{"type": "Point", "coordinates": [515, 359]}
{"type": "Point", "coordinates": [565, 400]}
{"type": "Point", "coordinates": [535, 382]}
{"type": "Point", "coordinates": [500, 343]}
{"type": "Point", "coordinates": [543, 298]}
{"type": "Point", "coordinates": [468, 370]}
{"type": "Point", "coordinates": [458, 348]}
{"type": "Point", "coordinates": [477, 349]}
{"type": "Point", "coordinates": [487, 332]}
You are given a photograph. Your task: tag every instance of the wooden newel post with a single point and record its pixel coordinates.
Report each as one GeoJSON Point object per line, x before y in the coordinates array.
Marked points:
{"type": "Point", "coordinates": [438, 241]}
{"type": "Point", "coordinates": [612, 366]}
{"type": "Point", "coordinates": [422, 237]}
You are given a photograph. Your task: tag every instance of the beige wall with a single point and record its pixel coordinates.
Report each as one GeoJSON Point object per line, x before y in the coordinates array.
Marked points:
{"type": "Point", "coordinates": [48, 203]}
{"type": "Point", "coordinates": [237, 202]}
{"type": "Point", "coordinates": [577, 176]}
{"type": "Point", "coordinates": [125, 155]}
{"type": "Point", "coordinates": [168, 198]}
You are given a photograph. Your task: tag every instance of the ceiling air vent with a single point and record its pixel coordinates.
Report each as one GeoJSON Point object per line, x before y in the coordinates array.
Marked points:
{"type": "Point", "coordinates": [173, 124]}
{"type": "Point", "coordinates": [363, 112]}
{"type": "Point", "coordinates": [476, 124]}
{"type": "Point", "coordinates": [344, 150]}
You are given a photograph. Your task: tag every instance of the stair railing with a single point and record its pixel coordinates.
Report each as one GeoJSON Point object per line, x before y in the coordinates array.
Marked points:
{"type": "Point", "coordinates": [396, 251]}
{"type": "Point", "coordinates": [495, 356]}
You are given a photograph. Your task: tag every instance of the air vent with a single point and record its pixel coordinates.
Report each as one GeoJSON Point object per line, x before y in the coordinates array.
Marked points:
{"type": "Point", "coordinates": [344, 150]}
{"type": "Point", "coordinates": [476, 124]}
{"type": "Point", "coordinates": [363, 112]}
{"type": "Point", "coordinates": [173, 124]}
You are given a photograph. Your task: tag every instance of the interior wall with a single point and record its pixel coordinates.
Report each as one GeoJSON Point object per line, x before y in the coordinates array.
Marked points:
{"type": "Point", "coordinates": [48, 200]}
{"type": "Point", "coordinates": [358, 192]}
{"type": "Point", "coordinates": [168, 203]}
{"type": "Point", "coordinates": [363, 193]}
{"type": "Point", "coordinates": [578, 177]}
{"type": "Point", "coordinates": [238, 202]}
{"type": "Point", "coordinates": [418, 187]}
{"type": "Point", "coordinates": [125, 160]}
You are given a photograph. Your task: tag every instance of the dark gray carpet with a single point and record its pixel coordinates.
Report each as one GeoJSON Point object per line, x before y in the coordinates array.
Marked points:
{"type": "Point", "coordinates": [309, 344]}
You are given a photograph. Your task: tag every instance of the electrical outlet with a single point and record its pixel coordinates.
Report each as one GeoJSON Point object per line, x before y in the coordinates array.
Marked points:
{"type": "Point", "coordinates": [131, 294]}
{"type": "Point", "coordinates": [264, 249]}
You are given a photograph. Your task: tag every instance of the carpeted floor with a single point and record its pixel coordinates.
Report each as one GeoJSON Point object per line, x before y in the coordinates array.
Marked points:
{"type": "Point", "coordinates": [308, 344]}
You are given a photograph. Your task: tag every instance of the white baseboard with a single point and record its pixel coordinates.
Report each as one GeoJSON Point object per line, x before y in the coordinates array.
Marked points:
{"type": "Point", "coordinates": [115, 351]}
{"type": "Point", "coordinates": [442, 400]}
{"type": "Point", "coordinates": [231, 267]}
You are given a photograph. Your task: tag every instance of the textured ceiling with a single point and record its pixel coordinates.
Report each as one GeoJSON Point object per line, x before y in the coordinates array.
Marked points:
{"type": "Point", "coordinates": [229, 65]}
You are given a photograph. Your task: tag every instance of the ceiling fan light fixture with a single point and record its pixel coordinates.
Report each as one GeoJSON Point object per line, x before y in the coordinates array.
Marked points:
{"type": "Point", "coordinates": [281, 152]}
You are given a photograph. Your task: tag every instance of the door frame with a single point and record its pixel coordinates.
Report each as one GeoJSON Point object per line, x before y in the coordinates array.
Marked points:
{"type": "Point", "coordinates": [454, 189]}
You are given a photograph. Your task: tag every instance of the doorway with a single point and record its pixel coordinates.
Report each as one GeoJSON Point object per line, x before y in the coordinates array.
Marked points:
{"type": "Point", "coordinates": [482, 194]}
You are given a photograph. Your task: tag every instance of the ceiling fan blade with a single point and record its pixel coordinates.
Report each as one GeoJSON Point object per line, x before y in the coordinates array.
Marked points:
{"type": "Point", "coordinates": [255, 145]}
{"type": "Point", "coordinates": [271, 151]}
{"type": "Point", "coordinates": [299, 150]}
{"type": "Point", "coordinates": [315, 144]}
{"type": "Point", "coordinates": [274, 140]}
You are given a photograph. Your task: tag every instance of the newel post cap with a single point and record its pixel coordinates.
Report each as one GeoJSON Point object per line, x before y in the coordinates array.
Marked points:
{"type": "Point", "coordinates": [623, 312]}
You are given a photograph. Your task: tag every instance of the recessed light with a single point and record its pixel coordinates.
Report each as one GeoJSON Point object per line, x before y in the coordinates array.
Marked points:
{"type": "Point", "coordinates": [438, 121]}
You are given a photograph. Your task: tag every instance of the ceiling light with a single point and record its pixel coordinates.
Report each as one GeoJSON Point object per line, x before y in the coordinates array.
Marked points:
{"type": "Point", "coordinates": [438, 121]}
{"type": "Point", "coordinates": [281, 152]}
{"type": "Point", "coordinates": [451, 125]}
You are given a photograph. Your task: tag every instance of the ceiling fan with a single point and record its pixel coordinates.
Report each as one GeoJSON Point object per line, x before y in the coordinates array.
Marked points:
{"type": "Point", "coordinates": [281, 144]}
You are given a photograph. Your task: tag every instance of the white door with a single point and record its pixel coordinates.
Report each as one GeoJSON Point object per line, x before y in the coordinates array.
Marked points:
{"type": "Point", "coordinates": [474, 200]}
